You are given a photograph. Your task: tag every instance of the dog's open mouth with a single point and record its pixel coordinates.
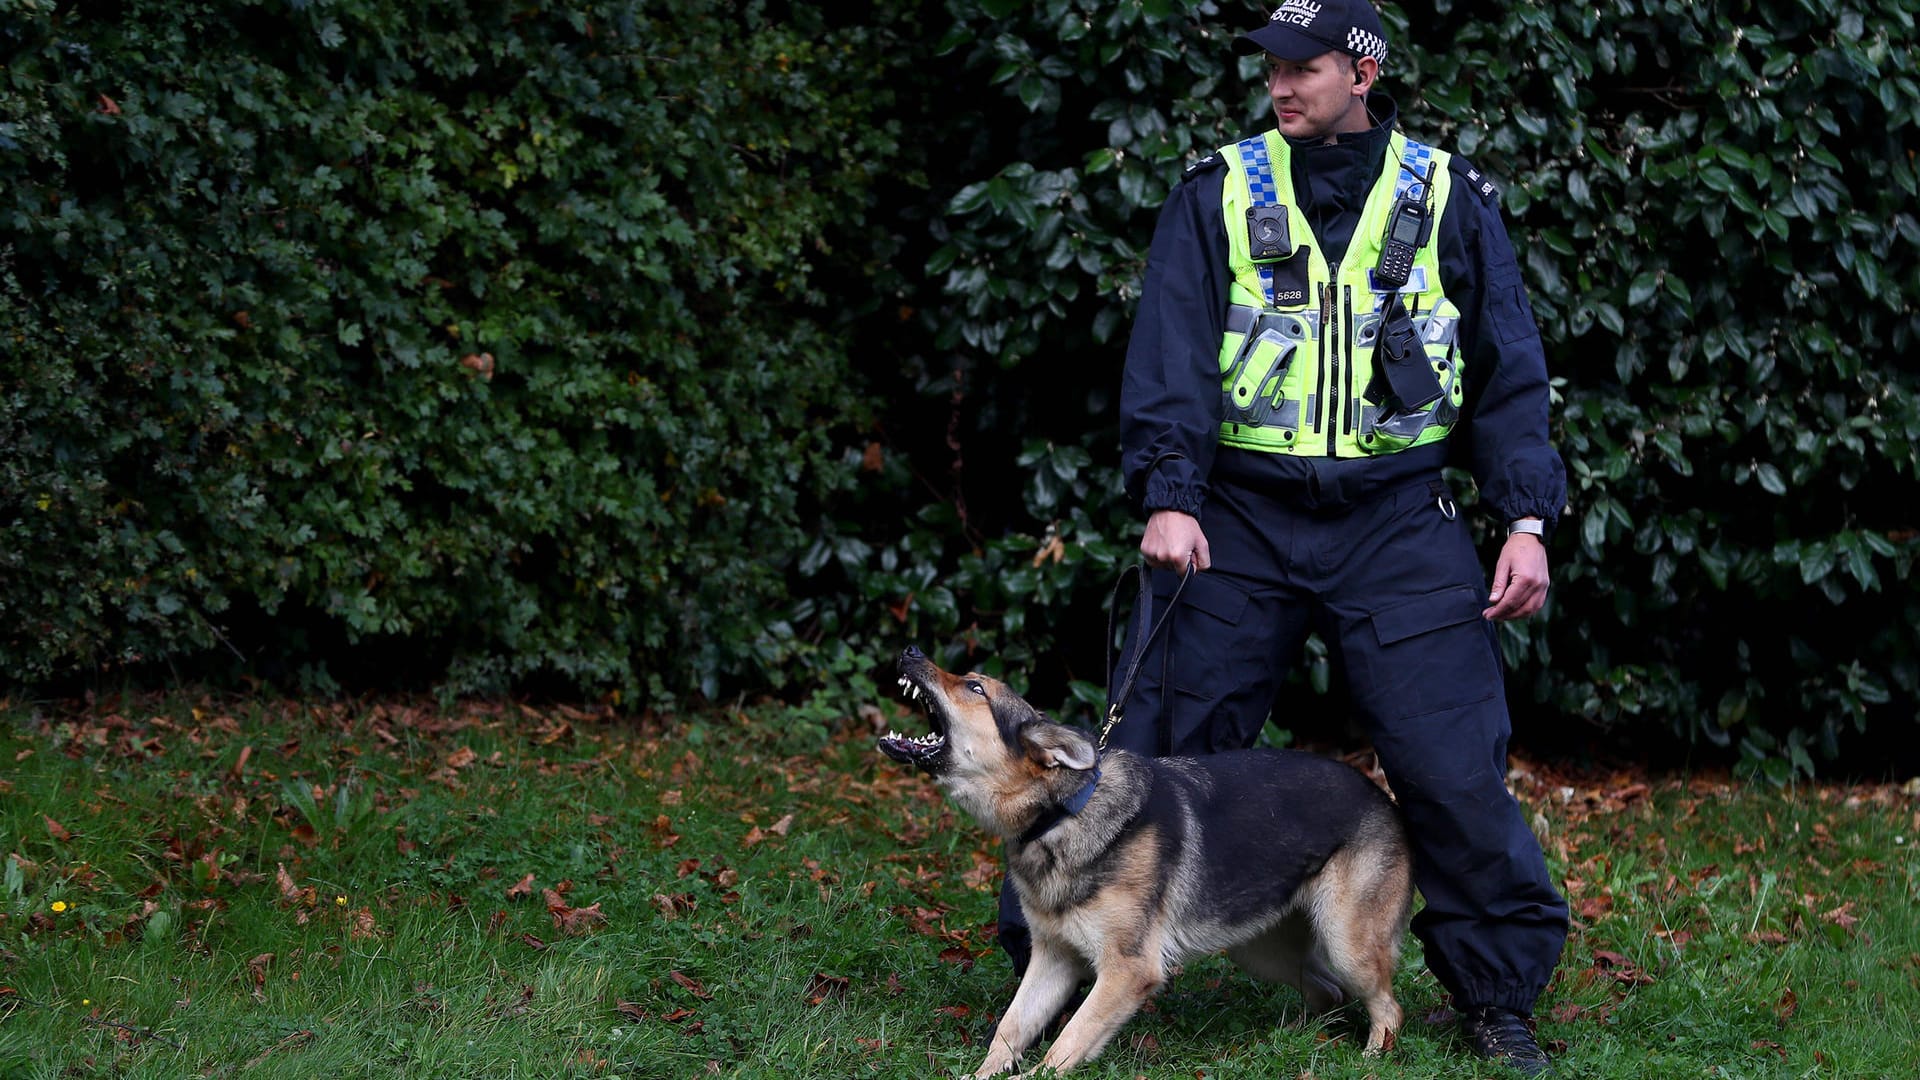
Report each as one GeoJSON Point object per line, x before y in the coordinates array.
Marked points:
{"type": "Point", "coordinates": [926, 749]}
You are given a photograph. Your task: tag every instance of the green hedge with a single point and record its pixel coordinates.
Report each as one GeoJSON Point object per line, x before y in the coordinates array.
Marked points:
{"type": "Point", "coordinates": [451, 342]}
{"type": "Point", "coordinates": [805, 324]}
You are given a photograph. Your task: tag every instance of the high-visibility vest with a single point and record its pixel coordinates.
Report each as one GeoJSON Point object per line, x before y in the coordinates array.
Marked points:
{"type": "Point", "coordinates": [1297, 360]}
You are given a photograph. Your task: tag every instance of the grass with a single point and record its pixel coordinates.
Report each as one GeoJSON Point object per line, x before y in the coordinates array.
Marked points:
{"type": "Point", "coordinates": [269, 889]}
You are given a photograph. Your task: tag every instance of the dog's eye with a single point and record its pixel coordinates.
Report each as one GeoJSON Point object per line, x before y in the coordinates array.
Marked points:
{"type": "Point", "coordinates": [977, 688]}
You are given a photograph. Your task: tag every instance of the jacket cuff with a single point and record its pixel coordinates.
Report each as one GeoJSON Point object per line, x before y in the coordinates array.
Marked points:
{"type": "Point", "coordinates": [1170, 486]}
{"type": "Point", "coordinates": [1548, 513]}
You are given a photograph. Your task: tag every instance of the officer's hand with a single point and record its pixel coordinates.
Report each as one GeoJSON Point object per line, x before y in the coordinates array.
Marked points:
{"type": "Point", "coordinates": [1172, 538]}
{"type": "Point", "coordinates": [1519, 579]}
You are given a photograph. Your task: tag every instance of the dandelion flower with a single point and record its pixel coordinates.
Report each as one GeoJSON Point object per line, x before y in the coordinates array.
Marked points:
{"type": "Point", "coordinates": [340, 901]}
{"type": "Point", "coordinates": [59, 906]}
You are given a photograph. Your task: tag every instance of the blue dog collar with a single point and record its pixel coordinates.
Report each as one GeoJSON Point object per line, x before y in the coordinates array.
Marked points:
{"type": "Point", "coordinates": [1062, 811]}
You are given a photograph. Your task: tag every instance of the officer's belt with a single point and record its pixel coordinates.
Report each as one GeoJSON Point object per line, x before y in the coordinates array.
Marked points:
{"type": "Point", "coordinates": [1324, 485]}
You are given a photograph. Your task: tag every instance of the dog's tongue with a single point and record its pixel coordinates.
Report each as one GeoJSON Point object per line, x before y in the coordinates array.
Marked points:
{"type": "Point", "coordinates": [919, 752]}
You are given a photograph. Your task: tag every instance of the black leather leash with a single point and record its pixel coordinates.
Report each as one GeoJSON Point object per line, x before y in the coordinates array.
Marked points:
{"type": "Point", "coordinates": [1146, 628]}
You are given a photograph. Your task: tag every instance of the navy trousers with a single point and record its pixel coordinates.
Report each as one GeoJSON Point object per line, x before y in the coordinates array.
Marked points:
{"type": "Point", "coordinates": [1394, 586]}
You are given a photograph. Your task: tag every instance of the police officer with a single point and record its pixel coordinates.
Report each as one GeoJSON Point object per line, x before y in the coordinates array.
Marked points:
{"type": "Point", "coordinates": [1332, 312]}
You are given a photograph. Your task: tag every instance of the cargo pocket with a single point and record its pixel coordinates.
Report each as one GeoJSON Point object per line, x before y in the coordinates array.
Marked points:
{"type": "Point", "coordinates": [1214, 656]}
{"type": "Point", "coordinates": [1429, 654]}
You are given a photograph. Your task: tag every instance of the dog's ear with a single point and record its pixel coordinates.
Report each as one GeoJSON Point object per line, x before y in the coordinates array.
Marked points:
{"type": "Point", "coordinates": [1054, 746]}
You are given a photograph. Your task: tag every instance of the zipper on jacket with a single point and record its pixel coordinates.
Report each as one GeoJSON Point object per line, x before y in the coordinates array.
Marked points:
{"type": "Point", "coordinates": [1346, 389]}
{"type": "Point", "coordinates": [1321, 385]}
{"type": "Point", "coordinates": [1329, 333]}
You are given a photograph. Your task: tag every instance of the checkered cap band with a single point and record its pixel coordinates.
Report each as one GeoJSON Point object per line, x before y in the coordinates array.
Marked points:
{"type": "Point", "coordinates": [1367, 43]}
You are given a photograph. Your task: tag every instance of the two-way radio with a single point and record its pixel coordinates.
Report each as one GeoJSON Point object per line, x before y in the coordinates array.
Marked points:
{"type": "Point", "coordinates": [1411, 382]}
{"type": "Point", "coordinates": [1407, 225]}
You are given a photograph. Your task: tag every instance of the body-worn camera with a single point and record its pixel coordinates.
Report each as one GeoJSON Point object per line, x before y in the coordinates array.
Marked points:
{"type": "Point", "coordinates": [1267, 238]}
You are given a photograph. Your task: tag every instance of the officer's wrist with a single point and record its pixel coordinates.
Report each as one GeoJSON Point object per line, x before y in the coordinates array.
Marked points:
{"type": "Point", "coordinates": [1528, 526]}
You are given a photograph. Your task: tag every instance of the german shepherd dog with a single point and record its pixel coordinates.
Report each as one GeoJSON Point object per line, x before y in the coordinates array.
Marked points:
{"type": "Point", "coordinates": [1126, 866]}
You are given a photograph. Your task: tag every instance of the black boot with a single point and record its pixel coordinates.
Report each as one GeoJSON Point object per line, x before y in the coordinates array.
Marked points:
{"type": "Point", "coordinates": [1504, 1036]}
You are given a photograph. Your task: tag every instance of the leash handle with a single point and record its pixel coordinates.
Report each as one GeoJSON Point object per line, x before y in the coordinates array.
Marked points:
{"type": "Point", "coordinates": [1146, 628]}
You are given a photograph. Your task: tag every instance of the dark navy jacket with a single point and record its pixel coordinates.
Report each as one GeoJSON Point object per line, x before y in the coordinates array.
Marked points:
{"type": "Point", "coordinates": [1170, 400]}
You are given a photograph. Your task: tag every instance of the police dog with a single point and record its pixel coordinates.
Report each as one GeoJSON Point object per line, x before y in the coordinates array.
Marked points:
{"type": "Point", "coordinates": [1127, 866]}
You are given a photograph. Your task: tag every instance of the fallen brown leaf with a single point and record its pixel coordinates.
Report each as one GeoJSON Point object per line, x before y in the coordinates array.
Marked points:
{"type": "Point", "coordinates": [663, 831]}
{"type": "Point", "coordinates": [1842, 916]}
{"type": "Point", "coordinates": [821, 987]}
{"type": "Point", "coordinates": [691, 985]}
{"type": "Point", "coordinates": [573, 921]}
{"type": "Point", "coordinates": [1592, 908]}
{"type": "Point", "coordinates": [673, 905]}
{"type": "Point", "coordinates": [1788, 1004]}
{"type": "Point", "coordinates": [289, 891]}
{"type": "Point", "coordinates": [1619, 968]}
{"type": "Point", "coordinates": [522, 889]}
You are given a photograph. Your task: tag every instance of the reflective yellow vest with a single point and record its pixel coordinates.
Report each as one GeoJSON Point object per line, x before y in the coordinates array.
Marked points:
{"type": "Point", "coordinates": [1298, 355]}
